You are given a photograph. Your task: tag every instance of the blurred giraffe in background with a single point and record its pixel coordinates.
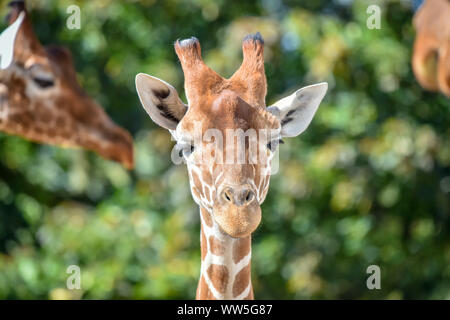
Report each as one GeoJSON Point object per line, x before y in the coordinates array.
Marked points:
{"type": "Point", "coordinates": [431, 56]}
{"type": "Point", "coordinates": [41, 100]}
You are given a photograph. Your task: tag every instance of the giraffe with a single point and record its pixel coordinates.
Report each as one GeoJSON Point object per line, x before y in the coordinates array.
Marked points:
{"type": "Point", "coordinates": [229, 193]}
{"type": "Point", "coordinates": [41, 100]}
{"type": "Point", "coordinates": [431, 52]}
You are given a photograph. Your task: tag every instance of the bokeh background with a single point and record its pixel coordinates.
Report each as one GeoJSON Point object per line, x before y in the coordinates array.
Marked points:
{"type": "Point", "coordinates": [368, 183]}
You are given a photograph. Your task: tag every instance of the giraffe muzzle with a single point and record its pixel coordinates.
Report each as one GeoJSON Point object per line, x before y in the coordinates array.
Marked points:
{"type": "Point", "coordinates": [236, 211]}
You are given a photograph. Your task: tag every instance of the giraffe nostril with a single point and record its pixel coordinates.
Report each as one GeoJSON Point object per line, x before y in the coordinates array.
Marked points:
{"type": "Point", "coordinates": [238, 196]}
{"type": "Point", "coordinates": [249, 196]}
{"type": "Point", "coordinates": [227, 196]}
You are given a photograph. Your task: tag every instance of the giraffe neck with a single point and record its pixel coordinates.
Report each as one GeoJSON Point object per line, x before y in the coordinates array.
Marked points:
{"type": "Point", "coordinates": [225, 268]}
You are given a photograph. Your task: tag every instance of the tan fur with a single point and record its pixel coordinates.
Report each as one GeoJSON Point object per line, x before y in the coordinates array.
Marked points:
{"type": "Point", "coordinates": [203, 292]}
{"type": "Point", "coordinates": [216, 246]}
{"type": "Point", "coordinates": [219, 277]}
{"type": "Point", "coordinates": [206, 217]}
{"type": "Point", "coordinates": [241, 249]}
{"type": "Point", "coordinates": [242, 280]}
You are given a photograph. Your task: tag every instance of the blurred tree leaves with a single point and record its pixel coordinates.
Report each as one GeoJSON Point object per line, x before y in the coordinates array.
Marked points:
{"type": "Point", "coordinates": [368, 183]}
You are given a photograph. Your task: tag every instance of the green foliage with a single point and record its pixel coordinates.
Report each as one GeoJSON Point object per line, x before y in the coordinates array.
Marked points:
{"type": "Point", "coordinates": [368, 183]}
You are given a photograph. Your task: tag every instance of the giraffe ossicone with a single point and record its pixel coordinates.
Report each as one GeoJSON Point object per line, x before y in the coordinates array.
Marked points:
{"type": "Point", "coordinates": [41, 100]}
{"type": "Point", "coordinates": [229, 194]}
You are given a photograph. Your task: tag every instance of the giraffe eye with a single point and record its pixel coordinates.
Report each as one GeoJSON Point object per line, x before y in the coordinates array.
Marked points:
{"type": "Point", "coordinates": [44, 83]}
{"type": "Point", "coordinates": [272, 145]}
{"type": "Point", "coordinates": [41, 76]}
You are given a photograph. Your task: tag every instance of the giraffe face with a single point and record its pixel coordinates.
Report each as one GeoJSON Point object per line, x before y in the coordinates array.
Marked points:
{"type": "Point", "coordinates": [228, 146]}
{"type": "Point", "coordinates": [226, 135]}
{"type": "Point", "coordinates": [41, 100]}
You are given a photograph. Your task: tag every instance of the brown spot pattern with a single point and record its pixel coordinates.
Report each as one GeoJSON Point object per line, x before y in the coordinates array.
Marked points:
{"type": "Point", "coordinates": [206, 192]}
{"type": "Point", "coordinates": [241, 281]}
{"type": "Point", "coordinates": [196, 180]}
{"type": "Point", "coordinates": [195, 192]}
{"type": "Point", "coordinates": [206, 217]}
{"type": "Point", "coordinates": [207, 179]}
{"type": "Point", "coordinates": [216, 246]}
{"type": "Point", "coordinates": [219, 277]}
{"type": "Point", "coordinates": [203, 292]}
{"type": "Point", "coordinates": [241, 248]}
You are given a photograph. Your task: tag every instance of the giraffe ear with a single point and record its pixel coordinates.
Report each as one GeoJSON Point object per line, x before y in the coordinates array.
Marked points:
{"type": "Point", "coordinates": [160, 100]}
{"type": "Point", "coordinates": [296, 111]}
{"type": "Point", "coordinates": [7, 39]}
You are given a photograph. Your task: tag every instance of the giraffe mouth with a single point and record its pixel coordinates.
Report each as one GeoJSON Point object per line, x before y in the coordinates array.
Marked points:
{"type": "Point", "coordinates": [237, 221]}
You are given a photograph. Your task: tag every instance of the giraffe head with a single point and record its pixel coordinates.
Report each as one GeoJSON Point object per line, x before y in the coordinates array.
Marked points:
{"type": "Point", "coordinates": [225, 134]}
{"type": "Point", "coordinates": [41, 100]}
